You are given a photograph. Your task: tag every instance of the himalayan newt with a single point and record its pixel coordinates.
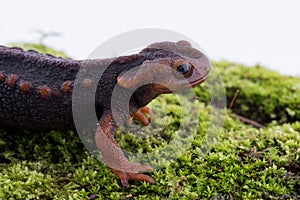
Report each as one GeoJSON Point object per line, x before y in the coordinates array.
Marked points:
{"type": "Point", "coordinates": [36, 92]}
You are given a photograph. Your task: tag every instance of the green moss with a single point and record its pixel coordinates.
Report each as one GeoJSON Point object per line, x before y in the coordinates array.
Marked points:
{"type": "Point", "coordinates": [264, 95]}
{"type": "Point", "coordinates": [245, 163]}
{"type": "Point", "coordinates": [40, 47]}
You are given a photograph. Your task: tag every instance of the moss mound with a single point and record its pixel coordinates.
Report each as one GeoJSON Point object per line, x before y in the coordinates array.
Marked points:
{"type": "Point", "coordinates": [264, 95]}
{"type": "Point", "coordinates": [244, 163]}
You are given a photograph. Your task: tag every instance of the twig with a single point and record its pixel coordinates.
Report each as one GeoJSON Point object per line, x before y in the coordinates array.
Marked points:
{"type": "Point", "coordinates": [249, 121]}
{"type": "Point", "coordinates": [233, 99]}
{"type": "Point", "coordinates": [241, 118]}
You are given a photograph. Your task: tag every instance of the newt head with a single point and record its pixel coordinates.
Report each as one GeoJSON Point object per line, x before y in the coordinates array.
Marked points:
{"type": "Point", "coordinates": [171, 67]}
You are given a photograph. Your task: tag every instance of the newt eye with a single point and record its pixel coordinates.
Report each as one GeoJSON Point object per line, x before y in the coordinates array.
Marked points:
{"type": "Point", "coordinates": [183, 69]}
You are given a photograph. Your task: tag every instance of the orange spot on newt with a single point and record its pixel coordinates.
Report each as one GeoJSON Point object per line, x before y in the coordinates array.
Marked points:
{"type": "Point", "coordinates": [45, 91]}
{"type": "Point", "coordinates": [1, 76]}
{"type": "Point", "coordinates": [87, 82]}
{"type": "Point", "coordinates": [12, 79]}
{"type": "Point", "coordinates": [25, 86]}
{"type": "Point", "coordinates": [66, 86]}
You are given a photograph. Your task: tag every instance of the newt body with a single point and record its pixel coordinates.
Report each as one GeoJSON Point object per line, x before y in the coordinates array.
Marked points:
{"type": "Point", "coordinates": [36, 92]}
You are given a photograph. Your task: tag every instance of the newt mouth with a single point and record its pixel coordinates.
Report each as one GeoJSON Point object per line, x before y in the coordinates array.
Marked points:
{"type": "Point", "coordinates": [191, 84]}
{"type": "Point", "coordinates": [179, 88]}
{"type": "Point", "coordinates": [199, 81]}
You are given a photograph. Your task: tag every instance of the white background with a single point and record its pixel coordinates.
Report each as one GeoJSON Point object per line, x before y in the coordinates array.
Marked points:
{"type": "Point", "coordinates": [249, 32]}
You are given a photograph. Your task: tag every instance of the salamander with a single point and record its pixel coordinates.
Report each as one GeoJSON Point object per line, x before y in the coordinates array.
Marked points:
{"type": "Point", "coordinates": [36, 92]}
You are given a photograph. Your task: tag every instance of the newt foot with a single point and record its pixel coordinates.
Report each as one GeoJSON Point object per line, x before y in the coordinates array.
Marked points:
{"type": "Point", "coordinates": [141, 116]}
{"type": "Point", "coordinates": [125, 177]}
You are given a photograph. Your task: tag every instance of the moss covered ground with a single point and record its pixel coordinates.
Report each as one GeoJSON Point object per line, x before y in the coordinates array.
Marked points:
{"type": "Point", "coordinates": [246, 162]}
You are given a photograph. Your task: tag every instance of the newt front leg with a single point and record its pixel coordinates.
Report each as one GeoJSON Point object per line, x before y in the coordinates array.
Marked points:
{"type": "Point", "coordinates": [113, 155]}
{"type": "Point", "coordinates": [140, 115]}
